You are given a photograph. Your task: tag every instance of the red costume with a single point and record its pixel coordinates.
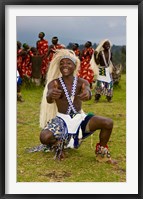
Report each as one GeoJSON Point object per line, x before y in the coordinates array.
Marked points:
{"type": "Point", "coordinates": [53, 49]}
{"type": "Point", "coordinates": [42, 47]}
{"type": "Point", "coordinates": [19, 60]}
{"type": "Point", "coordinates": [85, 71]}
{"type": "Point", "coordinates": [26, 69]}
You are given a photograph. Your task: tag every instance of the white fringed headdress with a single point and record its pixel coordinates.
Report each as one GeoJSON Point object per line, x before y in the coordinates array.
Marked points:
{"type": "Point", "coordinates": [99, 48]}
{"type": "Point", "coordinates": [48, 111]}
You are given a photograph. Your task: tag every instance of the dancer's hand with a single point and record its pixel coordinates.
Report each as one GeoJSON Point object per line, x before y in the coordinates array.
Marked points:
{"type": "Point", "coordinates": [56, 92]}
{"type": "Point", "coordinates": [85, 92]}
{"type": "Point", "coordinates": [53, 92]}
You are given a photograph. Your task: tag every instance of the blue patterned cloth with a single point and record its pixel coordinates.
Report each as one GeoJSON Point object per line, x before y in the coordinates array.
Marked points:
{"type": "Point", "coordinates": [59, 128]}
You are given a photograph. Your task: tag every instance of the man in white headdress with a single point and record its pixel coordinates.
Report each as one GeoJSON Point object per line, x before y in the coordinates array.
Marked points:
{"type": "Point", "coordinates": [101, 63]}
{"type": "Point", "coordinates": [62, 119]}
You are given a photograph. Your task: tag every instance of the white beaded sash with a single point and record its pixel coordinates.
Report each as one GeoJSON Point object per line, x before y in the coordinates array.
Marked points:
{"type": "Point", "coordinates": [71, 108]}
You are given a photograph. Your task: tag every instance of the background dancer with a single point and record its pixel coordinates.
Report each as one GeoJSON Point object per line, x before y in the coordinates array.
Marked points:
{"type": "Point", "coordinates": [86, 71]}
{"type": "Point", "coordinates": [42, 47]}
{"type": "Point", "coordinates": [102, 62]}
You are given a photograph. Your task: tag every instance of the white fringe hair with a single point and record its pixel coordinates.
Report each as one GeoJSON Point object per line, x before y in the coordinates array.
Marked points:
{"type": "Point", "coordinates": [93, 64]}
{"type": "Point", "coordinates": [49, 111]}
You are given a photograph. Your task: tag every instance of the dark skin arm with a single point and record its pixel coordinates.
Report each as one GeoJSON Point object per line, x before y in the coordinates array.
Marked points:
{"type": "Point", "coordinates": [54, 92]}
{"type": "Point", "coordinates": [49, 50]}
{"type": "Point", "coordinates": [96, 58]}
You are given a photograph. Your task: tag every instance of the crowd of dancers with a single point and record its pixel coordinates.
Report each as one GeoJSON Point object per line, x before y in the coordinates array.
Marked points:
{"type": "Point", "coordinates": [69, 75]}
{"type": "Point", "coordinates": [33, 63]}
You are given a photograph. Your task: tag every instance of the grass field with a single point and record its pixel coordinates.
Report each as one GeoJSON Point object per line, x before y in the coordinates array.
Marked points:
{"type": "Point", "coordinates": [80, 164]}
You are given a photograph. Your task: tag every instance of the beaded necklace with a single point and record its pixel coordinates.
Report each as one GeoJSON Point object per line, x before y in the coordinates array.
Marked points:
{"type": "Point", "coordinates": [71, 109]}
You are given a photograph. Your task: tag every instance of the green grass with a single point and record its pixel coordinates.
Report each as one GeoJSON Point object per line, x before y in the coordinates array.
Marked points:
{"type": "Point", "coordinates": [80, 164]}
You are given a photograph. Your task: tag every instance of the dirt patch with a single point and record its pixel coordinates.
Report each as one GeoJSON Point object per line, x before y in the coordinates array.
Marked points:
{"type": "Point", "coordinates": [56, 176]}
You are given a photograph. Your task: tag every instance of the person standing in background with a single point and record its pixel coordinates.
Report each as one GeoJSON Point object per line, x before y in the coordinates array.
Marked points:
{"type": "Point", "coordinates": [36, 61]}
{"type": "Point", "coordinates": [26, 69]}
{"type": "Point", "coordinates": [102, 64]}
{"type": "Point", "coordinates": [19, 56]}
{"type": "Point", "coordinates": [86, 71]}
{"type": "Point", "coordinates": [19, 63]}
{"type": "Point", "coordinates": [42, 47]}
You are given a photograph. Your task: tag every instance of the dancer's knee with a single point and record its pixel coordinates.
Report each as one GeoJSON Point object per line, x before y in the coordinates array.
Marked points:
{"type": "Point", "coordinates": [45, 136]}
{"type": "Point", "coordinates": [108, 123]}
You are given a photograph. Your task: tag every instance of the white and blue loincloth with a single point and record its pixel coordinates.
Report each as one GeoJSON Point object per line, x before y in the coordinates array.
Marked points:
{"type": "Point", "coordinates": [104, 82]}
{"type": "Point", "coordinates": [70, 130]}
